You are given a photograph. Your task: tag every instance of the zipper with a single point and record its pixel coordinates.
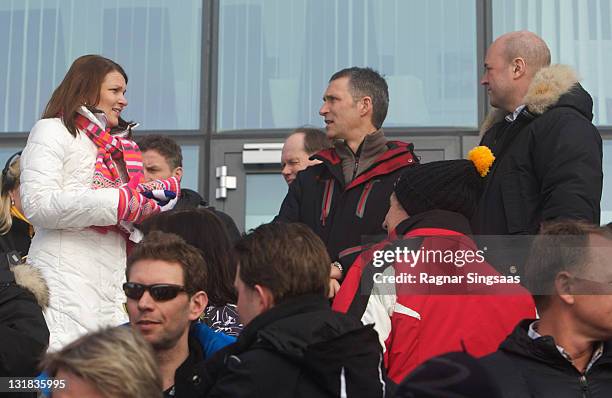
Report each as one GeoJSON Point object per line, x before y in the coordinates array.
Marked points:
{"type": "Point", "coordinates": [355, 169]}
{"type": "Point", "coordinates": [584, 385]}
{"type": "Point", "coordinates": [364, 197]}
{"type": "Point", "coordinates": [328, 194]}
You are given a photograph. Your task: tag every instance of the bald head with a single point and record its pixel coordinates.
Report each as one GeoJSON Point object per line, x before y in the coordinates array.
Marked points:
{"type": "Point", "coordinates": [526, 45]}
{"type": "Point", "coordinates": [510, 65]}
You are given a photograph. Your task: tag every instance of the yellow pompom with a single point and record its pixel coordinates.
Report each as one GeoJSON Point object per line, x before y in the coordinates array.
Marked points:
{"type": "Point", "coordinates": [483, 158]}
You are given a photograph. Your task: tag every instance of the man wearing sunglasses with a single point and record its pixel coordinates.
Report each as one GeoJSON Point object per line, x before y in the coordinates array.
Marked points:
{"type": "Point", "coordinates": [165, 298]}
{"type": "Point", "coordinates": [568, 351]}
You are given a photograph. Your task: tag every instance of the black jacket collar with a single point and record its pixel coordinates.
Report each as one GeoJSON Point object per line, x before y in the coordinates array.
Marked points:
{"type": "Point", "coordinates": [289, 308]}
{"type": "Point", "coordinates": [189, 199]}
{"type": "Point", "coordinates": [543, 349]}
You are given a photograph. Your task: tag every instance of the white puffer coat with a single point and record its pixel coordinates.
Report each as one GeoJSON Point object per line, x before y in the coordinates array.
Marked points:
{"type": "Point", "coordinates": [84, 268]}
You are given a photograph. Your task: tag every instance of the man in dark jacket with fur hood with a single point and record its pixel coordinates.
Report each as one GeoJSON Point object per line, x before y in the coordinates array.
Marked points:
{"type": "Point", "coordinates": [294, 345]}
{"type": "Point", "coordinates": [548, 153]}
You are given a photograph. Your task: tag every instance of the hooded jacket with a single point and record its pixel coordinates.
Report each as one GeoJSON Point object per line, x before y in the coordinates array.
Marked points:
{"type": "Point", "coordinates": [299, 348]}
{"type": "Point", "coordinates": [524, 367]}
{"type": "Point", "coordinates": [23, 332]}
{"type": "Point", "coordinates": [548, 160]}
{"type": "Point", "coordinates": [343, 214]}
{"type": "Point", "coordinates": [418, 320]}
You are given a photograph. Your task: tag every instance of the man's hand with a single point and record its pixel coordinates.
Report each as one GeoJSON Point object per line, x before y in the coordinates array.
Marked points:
{"type": "Point", "coordinates": [334, 286]}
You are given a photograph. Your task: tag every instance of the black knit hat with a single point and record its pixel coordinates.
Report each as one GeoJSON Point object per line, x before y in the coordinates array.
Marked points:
{"type": "Point", "coordinates": [453, 185]}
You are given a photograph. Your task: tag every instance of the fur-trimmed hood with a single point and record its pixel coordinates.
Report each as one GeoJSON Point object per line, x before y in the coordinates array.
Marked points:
{"type": "Point", "coordinates": [556, 85]}
{"type": "Point", "coordinates": [32, 280]}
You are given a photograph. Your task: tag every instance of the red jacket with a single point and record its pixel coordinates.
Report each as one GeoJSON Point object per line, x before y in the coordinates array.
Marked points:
{"type": "Point", "coordinates": [420, 320]}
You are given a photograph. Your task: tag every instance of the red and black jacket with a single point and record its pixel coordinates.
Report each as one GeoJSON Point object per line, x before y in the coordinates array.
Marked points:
{"type": "Point", "coordinates": [345, 215]}
{"type": "Point", "coordinates": [416, 320]}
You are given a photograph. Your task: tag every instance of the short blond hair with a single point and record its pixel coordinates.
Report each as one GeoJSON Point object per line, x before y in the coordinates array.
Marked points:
{"type": "Point", "coordinates": [116, 361]}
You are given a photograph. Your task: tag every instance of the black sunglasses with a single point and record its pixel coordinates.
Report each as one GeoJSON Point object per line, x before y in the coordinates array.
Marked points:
{"type": "Point", "coordinates": [159, 291]}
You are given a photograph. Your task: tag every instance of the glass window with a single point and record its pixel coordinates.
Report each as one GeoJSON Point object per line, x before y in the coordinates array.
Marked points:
{"type": "Point", "coordinates": [578, 33]}
{"type": "Point", "coordinates": [264, 195]}
{"type": "Point", "coordinates": [276, 57]}
{"type": "Point", "coordinates": [191, 166]}
{"type": "Point", "coordinates": [156, 41]}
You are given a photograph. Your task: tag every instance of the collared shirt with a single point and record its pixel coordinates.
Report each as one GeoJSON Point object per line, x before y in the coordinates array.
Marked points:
{"type": "Point", "coordinates": [533, 334]}
{"type": "Point", "coordinates": [512, 116]}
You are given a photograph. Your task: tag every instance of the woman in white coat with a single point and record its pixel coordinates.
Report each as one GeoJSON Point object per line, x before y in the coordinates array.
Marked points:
{"type": "Point", "coordinates": [81, 188]}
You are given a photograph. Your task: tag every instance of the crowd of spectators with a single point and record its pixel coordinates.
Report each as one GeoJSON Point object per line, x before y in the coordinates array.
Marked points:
{"type": "Point", "coordinates": [372, 280]}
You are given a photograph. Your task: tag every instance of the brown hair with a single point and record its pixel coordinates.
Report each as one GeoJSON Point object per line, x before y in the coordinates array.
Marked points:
{"type": "Point", "coordinates": [165, 146]}
{"type": "Point", "coordinates": [172, 248]}
{"type": "Point", "coordinates": [315, 140]}
{"type": "Point", "coordinates": [81, 86]}
{"type": "Point", "coordinates": [117, 361]}
{"type": "Point", "coordinates": [560, 246]}
{"type": "Point", "coordinates": [202, 229]}
{"type": "Point", "coordinates": [288, 259]}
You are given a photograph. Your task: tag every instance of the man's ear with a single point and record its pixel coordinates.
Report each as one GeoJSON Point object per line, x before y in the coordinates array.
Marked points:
{"type": "Point", "coordinates": [365, 105]}
{"type": "Point", "coordinates": [519, 68]}
{"type": "Point", "coordinates": [178, 172]}
{"type": "Point", "coordinates": [563, 287]}
{"type": "Point", "coordinates": [265, 297]}
{"type": "Point", "coordinates": [197, 305]}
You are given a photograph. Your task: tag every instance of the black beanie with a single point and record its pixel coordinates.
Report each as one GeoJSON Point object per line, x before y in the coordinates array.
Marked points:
{"type": "Point", "coordinates": [455, 375]}
{"type": "Point", "coordinates": [453, 185]}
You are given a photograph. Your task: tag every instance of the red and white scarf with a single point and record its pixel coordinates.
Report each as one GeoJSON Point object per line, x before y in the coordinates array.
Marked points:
{"type": "Point", "coordinates": [110, 150]}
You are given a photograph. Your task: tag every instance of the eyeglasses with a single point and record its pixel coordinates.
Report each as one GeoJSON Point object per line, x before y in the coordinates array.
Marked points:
{"type": "Point", "coordinates": [159, 291]}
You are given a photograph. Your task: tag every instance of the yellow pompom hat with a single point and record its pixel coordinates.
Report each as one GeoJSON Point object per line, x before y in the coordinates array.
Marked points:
{"type": "Point", "coordinates": [483, 158]}
{"type": "Point", "coordinates": [452, 185]}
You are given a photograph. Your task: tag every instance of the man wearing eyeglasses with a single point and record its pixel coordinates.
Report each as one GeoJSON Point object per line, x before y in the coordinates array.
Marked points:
{"type": "Point", "coordinates": [165, 298]}
{"type": "Point", "coordinates": [568, 351]}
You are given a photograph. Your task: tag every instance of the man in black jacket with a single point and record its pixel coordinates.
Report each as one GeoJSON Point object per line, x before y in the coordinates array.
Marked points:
{"type": "Point", "coordinates": [162, 158]}
{"type": "Point", "coordinates": [345, 198]}
{"type": "Point", "coordinates": [568, 351]}
{"type": "Point", "coordinates": [294, 345]}
{"type": "Point", "coordinates": [548, 153]}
